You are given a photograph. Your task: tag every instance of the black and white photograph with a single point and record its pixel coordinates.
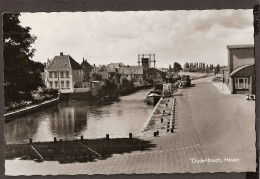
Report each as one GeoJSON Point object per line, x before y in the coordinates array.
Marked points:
{"type": "Point", "coordinates": [130, 92]}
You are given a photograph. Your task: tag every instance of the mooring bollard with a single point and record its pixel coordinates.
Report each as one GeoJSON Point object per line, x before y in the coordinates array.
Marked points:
{"type": "Point", "coordinates": [107, 137]}
{"type": "Point", "coordinates": [157, 133]}
{"type": "Point", "coordinates": [130, 135]}
{"type": "Point", "coordinates": [161, 119]}
{"type": "Point", "coordinates": [81, 137]}
{"type": "Point", "coordinates": [55, 139]}
{"type": "Point", "coordinates": [154, 134]}
{"type": "Point", "coordinates": [171, 130]}
{"type": "Point", "coordinates": [30, 140]}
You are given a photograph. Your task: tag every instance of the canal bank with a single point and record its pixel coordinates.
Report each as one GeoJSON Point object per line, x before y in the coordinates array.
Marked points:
{"type": "Point", "coordinates": [92, 119]}
{"type": "Point", "coordinates": [27, 110]}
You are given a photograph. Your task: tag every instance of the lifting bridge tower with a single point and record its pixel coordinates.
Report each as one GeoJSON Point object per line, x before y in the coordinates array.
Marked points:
{"type": "Point", "coordinates": [146, 60]}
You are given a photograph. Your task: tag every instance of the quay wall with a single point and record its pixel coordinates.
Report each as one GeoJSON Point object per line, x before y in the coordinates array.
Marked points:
{"type": "Point", "coordinates": [21, 112]}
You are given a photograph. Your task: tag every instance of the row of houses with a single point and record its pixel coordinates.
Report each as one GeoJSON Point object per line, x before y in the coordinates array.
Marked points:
{"type": "Point", "coordinates": [68, 76]}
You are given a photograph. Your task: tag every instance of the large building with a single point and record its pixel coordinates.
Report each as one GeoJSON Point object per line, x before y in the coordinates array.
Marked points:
{"type": "Point", "coordinates": [62, 73]}
{"type": "Point", "coordinates": [240, 74]}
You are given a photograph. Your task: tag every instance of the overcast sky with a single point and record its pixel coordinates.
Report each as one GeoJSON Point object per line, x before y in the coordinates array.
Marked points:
{"type": "Point", "coordinates": [105, 37]}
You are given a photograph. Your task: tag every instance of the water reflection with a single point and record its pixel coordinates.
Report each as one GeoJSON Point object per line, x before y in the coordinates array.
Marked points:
{"type": "Point", "coordinates": [69, 120]}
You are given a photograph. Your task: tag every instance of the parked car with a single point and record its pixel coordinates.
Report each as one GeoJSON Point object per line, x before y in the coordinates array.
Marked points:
{"type": "Point", "coordinates": [185, 81]}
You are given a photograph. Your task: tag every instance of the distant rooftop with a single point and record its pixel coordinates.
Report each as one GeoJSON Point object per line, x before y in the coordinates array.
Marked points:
{"type": "Point", "coordinates": [240, 46]}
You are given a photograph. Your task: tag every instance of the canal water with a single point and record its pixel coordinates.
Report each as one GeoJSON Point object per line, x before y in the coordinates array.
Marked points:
{"type": "Point", "coordinates": [71, 119]}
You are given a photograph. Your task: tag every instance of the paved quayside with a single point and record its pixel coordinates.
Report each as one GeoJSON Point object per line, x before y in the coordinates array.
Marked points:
{"type": "Point", "coordinates": [210, 124]}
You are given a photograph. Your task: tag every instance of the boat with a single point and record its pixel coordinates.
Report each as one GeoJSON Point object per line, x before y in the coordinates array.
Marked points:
{"type": "Point", "coordinates": [153, 97]}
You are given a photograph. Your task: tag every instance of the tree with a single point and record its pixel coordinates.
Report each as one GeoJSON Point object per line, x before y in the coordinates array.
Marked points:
{"type": "Point", "coordinates": [96, 76]}
{"type": "Point", "coordinates": [176, 67]}
{"type": "Point", "coordinates": [21, 74]}
{"type": "Point", "coordinates": [186, 66]}
{"type": "Point", "coordinates": [217, 69]}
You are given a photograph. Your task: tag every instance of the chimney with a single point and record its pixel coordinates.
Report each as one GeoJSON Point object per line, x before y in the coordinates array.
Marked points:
{"type": "Point", "coordinates": [83, 59]}
{"type": "Point", "coordinates": [61, 53]}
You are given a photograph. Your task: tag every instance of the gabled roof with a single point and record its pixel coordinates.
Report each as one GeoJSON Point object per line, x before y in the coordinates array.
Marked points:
{"type": "Point", "coordinates": [115, 65]}
{"type": "Point", "coordinates": [239, 68]}
{"type": "Point", "coordinates": [131, 70]}
{"type": "Point", "coordinates": [86, 64]}
{"type": "Point", "coordinates": [240, 46]}
{"type": "Point", "coordinates": [150, 70]}
{"type": "Point", "coordinates": [64, 62]}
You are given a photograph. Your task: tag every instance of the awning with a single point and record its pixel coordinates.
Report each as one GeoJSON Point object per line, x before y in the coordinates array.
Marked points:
{"type": "Point", "coordinates": [239, 69]}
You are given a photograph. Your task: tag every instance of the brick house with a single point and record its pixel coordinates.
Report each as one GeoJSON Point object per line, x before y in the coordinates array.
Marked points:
{"type": "Point", "coordinates": [240, 74]}
{"type": "Point", "coordinates": [62, 73]}
{"type": "Point", "coordinates": [154, 74]}
{"type": "Point", "coordinates": [132, 73]}
{"type": "Point", "coordinates": [87, 69]}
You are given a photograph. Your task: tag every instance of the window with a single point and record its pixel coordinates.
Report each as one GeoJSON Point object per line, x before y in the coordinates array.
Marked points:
{"type": "Point", "coordinates": [62, 74]}
{"type": "Point", "coordinates": [67, 74]}
{"type": "Point", "coordinates": [241, 83]}
{"type": "Point", "coordinates": [55, 75]}
{"type": "Point", "coordinates": [62, 84]}
{"type": "Point", "coordinates": [68, 84]}
{"type": "Point", "coordinates": [56, 84]}
{"type": "Point", "coordinates": [51, 84]}
{"type": "Point", "coordinates": [50, 74]}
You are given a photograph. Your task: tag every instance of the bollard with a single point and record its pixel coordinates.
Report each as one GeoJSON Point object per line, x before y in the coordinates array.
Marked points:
{"type": "Point", "coordinates": [161, 119]}
{"type": "Point", "coordinates": [171, 130]}
{"type": "Point", "coordinates": [107, 137]}
{"type": "Point", "coordinates": [130, 136]}
{"type": "Point", "coordinates": [30, 140]}
{"type": "Point", "coordinates": [154, 134]}
{"type": "Point", "coordinates": [157, 133]}
{"type": "Point", "coordinates": [81, 137]}
{"type": "Point", "coordinates": [55, 139]}
{"type": "Point", "coordinates": [168, 129]}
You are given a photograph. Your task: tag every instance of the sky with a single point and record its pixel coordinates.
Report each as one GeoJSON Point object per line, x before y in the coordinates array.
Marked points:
{"type": "Point", "coordinates": [173, 36]}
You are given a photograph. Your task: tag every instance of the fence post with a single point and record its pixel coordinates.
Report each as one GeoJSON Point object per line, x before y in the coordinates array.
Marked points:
{"type": "Point", "coordinates": [130, 135]}
{"type": "Point", "coordinates": [154, 134]}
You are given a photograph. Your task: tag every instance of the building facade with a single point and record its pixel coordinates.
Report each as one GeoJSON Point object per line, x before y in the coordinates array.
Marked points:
{"type": "Point", "coordinates": [154, 75]}
{"type": "Point", "coordinates": [240, 74]}
{"type": "Point", "coordinates": [87, 69]}
{"type": "Point", "coordinates": [132, 73]}
{"type": "Point", "coordinates": [62, 73]}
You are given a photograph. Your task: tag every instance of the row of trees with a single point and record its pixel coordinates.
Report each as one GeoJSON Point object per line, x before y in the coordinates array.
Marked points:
{"type": "Point", "coordinates": [200, 67]}
{"type": "Point", "coordinates": [21, 74]}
